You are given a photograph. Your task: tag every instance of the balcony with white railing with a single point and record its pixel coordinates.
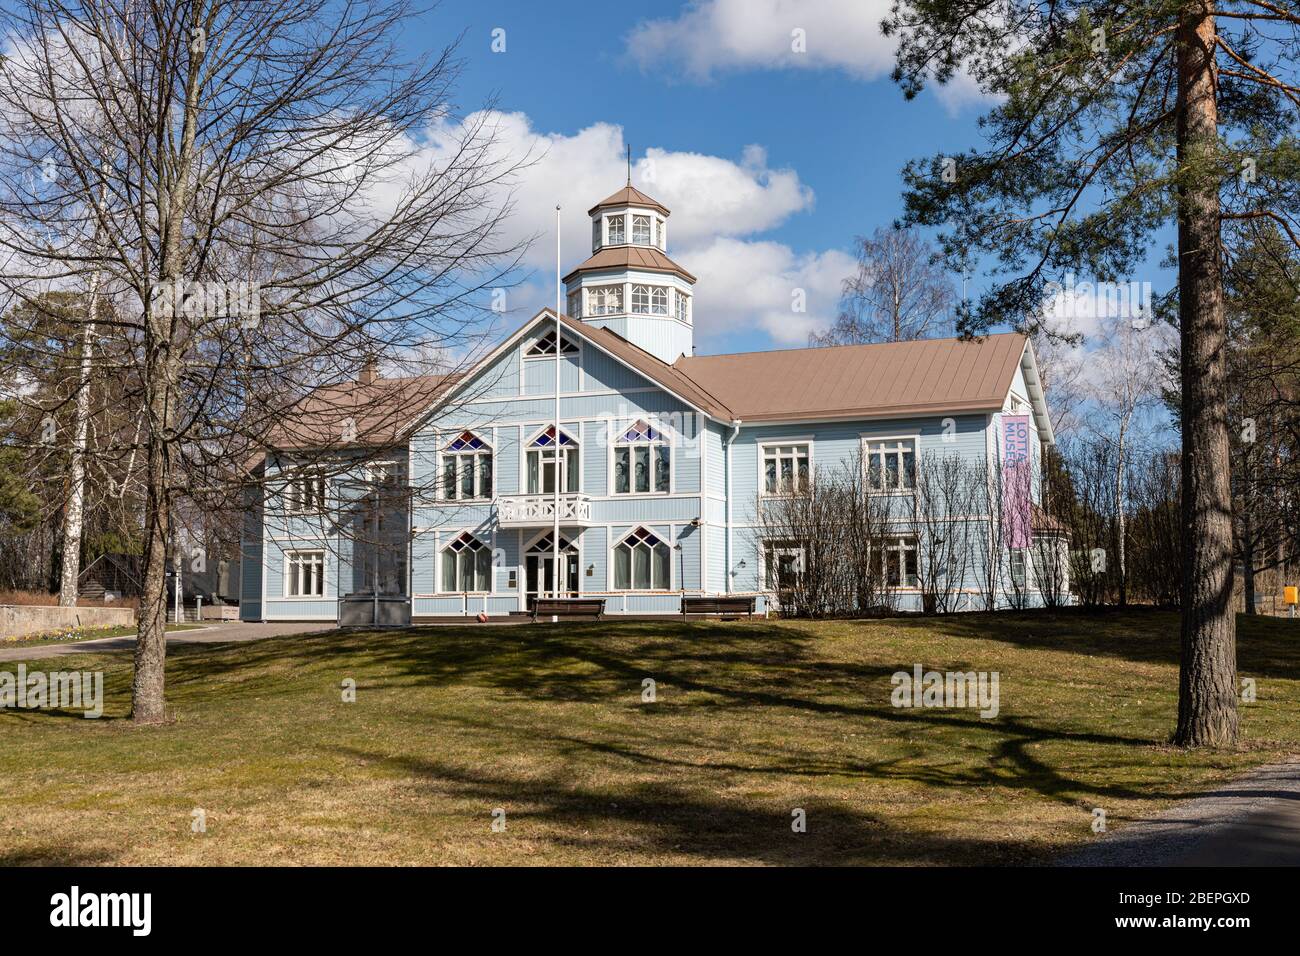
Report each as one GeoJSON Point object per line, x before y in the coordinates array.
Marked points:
{"type": "Point", "coordinates": [538, 511]}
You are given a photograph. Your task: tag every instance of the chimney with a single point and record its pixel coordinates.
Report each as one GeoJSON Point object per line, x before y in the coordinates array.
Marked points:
{"type": "Point", "coordinates": [368, 370]}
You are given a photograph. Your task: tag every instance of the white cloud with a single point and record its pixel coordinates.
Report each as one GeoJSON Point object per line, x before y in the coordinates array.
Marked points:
{"type": "Point", "coordinates": [708, 195]}
{"type": "Point", "coordinates": [719, 209]}
{"type": "Point", "coordinates": [753, 285]}
{"type": "Point", "coordinates": [715, 35]}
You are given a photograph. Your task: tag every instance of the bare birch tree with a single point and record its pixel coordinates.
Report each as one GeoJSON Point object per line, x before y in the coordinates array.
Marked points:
{"type": "Point", "coordinates": [287, 199]}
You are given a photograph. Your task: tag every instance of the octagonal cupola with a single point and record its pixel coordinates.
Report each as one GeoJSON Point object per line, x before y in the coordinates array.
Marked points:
{"type": "Point", "coordinates": [628, 284]}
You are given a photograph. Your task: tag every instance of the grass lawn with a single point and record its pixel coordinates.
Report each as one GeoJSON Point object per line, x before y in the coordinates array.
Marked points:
{"type": "Point", "coordinates": [547, 722]}
{"type": "Point", "coordinates": [83, 634]}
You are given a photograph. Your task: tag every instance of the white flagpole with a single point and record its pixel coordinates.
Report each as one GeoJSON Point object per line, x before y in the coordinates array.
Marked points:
{"type": "Point", "coordinates": [559, 340]}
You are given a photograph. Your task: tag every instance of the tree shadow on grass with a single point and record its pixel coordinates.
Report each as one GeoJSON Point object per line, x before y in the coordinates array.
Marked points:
{"type": "Point", "coordinates": [664, 821]}
{"type": "Point", "coordinates": [764, 668]}
{"type": "Point", "coordinates": [52, 854]}
{"type": "Point", "coordinates": [1266, 646]}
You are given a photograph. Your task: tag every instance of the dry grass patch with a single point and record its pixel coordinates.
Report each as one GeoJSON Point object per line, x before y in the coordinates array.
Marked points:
{"type": "Point", "coordinates": [547, 723]}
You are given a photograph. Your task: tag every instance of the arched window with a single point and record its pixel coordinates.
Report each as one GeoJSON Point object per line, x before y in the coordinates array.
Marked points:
{"type": "Point", "coordinates": [642, 562]}
{"type": "Point", "coordinates": [546, 457]}
{"type": "Point", "coordinates": [642, 461]}
{"type": "Point", "coordinates": [546, 345]}
{"type": "Point", "coordinates": [466, 468]}
{"type": "Point", "coordinates": [467, 565]}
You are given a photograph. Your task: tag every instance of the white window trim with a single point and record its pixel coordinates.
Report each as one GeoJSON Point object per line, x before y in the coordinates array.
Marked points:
{"type": "Point", "coordinates": [608, 217]}
{"type": "Point", "coordinates": [573, 430]}
{"type": "Point", "coordinates": [891, 543]}
{"type": "Point", "coordinates": [666, 438]}
{"type": "Point", "coordinates": [440, 486]}
{"type": "Point", "coordinates": [442, 549]}
{"type": "Point", "coordinates": [761, 448]}
{"type": "Point", "coordinates": [799, 550]}
{"type": "Point", "coordinates": [668, 540]}
{"type": "Point", "coordinates": [867, 440]}
{"type": "Point", "coordinates": [526, 347]}
{"type": "Point", "coordinates": [651, 288]}
{"type": "Point", "coordinates": [289, 496]}
{"type": "Point", "coordinates": [324, 574]}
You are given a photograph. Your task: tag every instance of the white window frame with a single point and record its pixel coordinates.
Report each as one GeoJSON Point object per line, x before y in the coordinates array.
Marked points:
{"type": "Point", "coordinates": [775, 548]}
{"type": "Point", "coordinates": [449, 552]}
{"type": "Point", "coordinates": [669, 584]}
{"type": "Point", "coordinates": [881, 443]}
{"type": "Point", "coordinates": [568, 346]}
{"type": "Point", "coordinates": [661, 236]}
{"type": "Point", "coordinates": [529, 449]}
{"type": "Point", "coordinates": [294, 566]}
{"type": "Point", "coordinates": [649, 229]}
{"type": "Point", "coordinates": [663, 440]}
{"type": "Point", "coordinates": [599, 299]}
{"type": "Point", "coordinates": [682, 307]}
{"type": "Point", "coordinates": [649, 293]}
{"type": "Point", "coordinates": [307, 493]}
{"type": "Point", "coordinates": [460, 457]}
{"type": "Point", "coordinates": [901, 545]}
{"type": "Point", "coordinates": [621, 218]}
{"type": "Point", "coordinates": [1022, 554]}
{"type": "Point", "coordinates": [574, 303]}
{"type": "Point", "coordinates": [775, 446]}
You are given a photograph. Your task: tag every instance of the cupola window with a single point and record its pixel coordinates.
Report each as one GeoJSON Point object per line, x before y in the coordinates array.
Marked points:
{"type": "Point", "coordinates": [616, 230]}
{"type": "Point", "coordinates": [605, 300]}
{"type": "Point", "coordinates": [641, 230]}
{"type": "Point", "coordinates": [649, 300]}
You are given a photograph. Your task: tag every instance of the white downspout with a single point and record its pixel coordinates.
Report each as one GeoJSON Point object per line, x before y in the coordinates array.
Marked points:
{"type": "Point", "coordinates": [731, 564]}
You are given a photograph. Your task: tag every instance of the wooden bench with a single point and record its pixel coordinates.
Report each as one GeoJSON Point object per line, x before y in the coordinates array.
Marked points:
{"type": "Point", "coordinates": [569, 607]}
{"type": "Point", "coordinates": [719, 606]}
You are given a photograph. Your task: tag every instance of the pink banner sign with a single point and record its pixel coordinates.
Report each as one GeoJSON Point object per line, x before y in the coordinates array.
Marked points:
{"type": "Point", "coordinates": [1017, 468]}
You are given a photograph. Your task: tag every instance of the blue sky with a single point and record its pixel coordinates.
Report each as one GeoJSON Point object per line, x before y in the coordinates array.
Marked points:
{"type": "Point", "coordinates": [701, 85]}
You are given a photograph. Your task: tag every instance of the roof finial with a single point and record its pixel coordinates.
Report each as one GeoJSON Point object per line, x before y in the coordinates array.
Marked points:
{"type": "Point", "coordinates": [629, 164]}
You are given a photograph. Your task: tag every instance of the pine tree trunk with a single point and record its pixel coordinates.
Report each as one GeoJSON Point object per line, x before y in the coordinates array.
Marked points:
{"type": "Point", "coordinates": [1207, 702]}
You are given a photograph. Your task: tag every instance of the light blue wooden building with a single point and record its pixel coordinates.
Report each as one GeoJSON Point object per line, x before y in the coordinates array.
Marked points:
{"type": "Point", "coordinates": [661, 456]}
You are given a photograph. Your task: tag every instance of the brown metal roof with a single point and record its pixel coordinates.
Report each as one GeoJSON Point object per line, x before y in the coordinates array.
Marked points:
{"type": "Point", "coordinates": [850, 381]}
{"type": "Point", "coordinates": [669, 376]}
{"type": "Point", "coordinates": [856, 381]}
{"type": "Point", "coordinates": [647, 258]}
{"type": "Point", "coordinates": [376, 411]}
{"type": "Point", "coordinates": [629, 196]}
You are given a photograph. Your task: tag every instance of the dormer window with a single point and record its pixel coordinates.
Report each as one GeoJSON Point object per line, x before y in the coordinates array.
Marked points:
{"type": "Point", "coordinates": [616, 236]}
{"type": "Point", "coordinates": [546, 346]}
{"type": "Point", "coordinates": [640, 230]}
